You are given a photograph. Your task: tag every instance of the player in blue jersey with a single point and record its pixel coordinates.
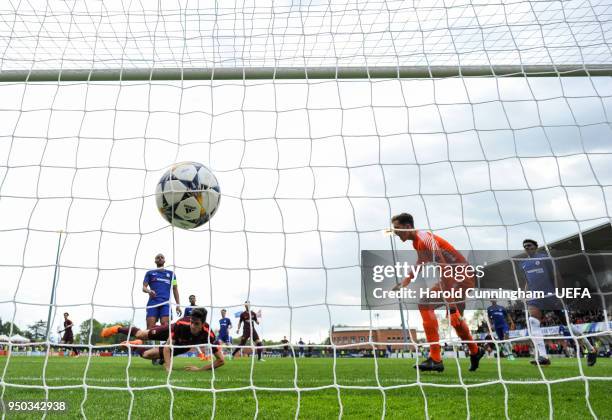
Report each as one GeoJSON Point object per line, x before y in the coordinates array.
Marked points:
{"type": "Point", "coordinates": [502, 323]}
{"type": "Point", "coordinates": [542, 275]}
{"type": "Point", "coordinates": [157, 284]}
{"type": "Point", "coordinates": [192, 304]}
{"type": "Point", "coordinates": [225, 324]}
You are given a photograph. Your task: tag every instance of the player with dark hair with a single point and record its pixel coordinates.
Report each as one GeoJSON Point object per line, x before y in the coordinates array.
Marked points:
{"type": "Point", "coordinates": [432, 248]}
{"type": "Point", "coordinates": [192, 305]}
{"type": "Point", "coordinates": [68, 337]}
{"type": "Point", "coordinates": [285, 344]}
{"type": "Point", "coordinates": [225, 324]}
{"type": "Point", "coordinates": [542, 275]}
{"type": "Point", "coordinates": [502, 324]}
{"type": "Point", "coordinates": [157, 284]}
{"type": "Point", "coordinates": [247, 318]}
{"type": "Point", "coordinates": [187, 332]}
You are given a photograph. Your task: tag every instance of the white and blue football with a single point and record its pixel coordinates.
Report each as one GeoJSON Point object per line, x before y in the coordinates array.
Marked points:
{"type": "Point", "coordinates": [188, 195]}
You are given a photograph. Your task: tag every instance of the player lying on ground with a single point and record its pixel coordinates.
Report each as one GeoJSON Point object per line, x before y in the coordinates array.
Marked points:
{"type": "Point", "coordinates": [189, 332]}
{"type": "Point", "coordinates": [431, 248]}
{"type": "Point", "coordinates": [542, 275]}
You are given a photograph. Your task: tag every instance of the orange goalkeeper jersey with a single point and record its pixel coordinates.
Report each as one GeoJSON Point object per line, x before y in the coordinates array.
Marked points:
{"type": "Point", "coordinates": [432, 248]}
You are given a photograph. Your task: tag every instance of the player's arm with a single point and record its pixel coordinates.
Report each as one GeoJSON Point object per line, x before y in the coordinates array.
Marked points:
{"type": "Point", "coordinates": [177, 299]}
{"type": "Point", "coordinates": [146, 289]}
{"type": "Point", "coordinates": [217, 363]}
{"type": "Point", "coordinates": [167, 356]}
{"type": "Point", "coordinates": [255, 319]}
{"type": "Point", "coordinates": [167, 351]}
{"type": "Point", "coordinates": [408, 279]}
{"type": "Point", "coordinates": [229, 326]}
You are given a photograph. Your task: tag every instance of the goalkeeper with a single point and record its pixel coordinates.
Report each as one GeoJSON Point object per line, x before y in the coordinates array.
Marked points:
{"type": "Point", "coordinates": [187, 332]}
{"type": "Point", "coordinates": [431, 248]}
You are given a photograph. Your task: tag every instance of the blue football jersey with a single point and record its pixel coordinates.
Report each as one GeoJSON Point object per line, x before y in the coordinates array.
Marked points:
{"type": "Point", "coordinates": [161, 281]}
{"type": "Point", "coordinates": [224, 324]}
{"type": "Point", "coordinates": [498, 315]}
{"type": "Point", "coordinates": [539, 273]}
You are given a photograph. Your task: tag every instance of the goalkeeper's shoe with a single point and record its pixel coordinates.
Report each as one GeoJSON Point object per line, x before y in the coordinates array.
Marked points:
{"type": "Point", "coordinates": [475, 359]}
{"type": "Point", "coordinates": [591, 358]}
{"type": "Point", "coordinates": [110, 331]}
{"type": "Point", "coordinates": [542, 361]}
{"type": "Point", "coordinates": [132, 343]}
{"type": "Point", "coordinates": [430, 365]}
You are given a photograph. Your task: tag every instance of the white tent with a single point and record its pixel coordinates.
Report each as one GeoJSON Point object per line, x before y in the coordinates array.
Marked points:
{"type": "Point", "coordinates": [19, 339]}
{"type": "Point", "coordinates": [4, 338]}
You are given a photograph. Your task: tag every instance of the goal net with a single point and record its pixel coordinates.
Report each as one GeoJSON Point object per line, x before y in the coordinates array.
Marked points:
{"type": "Point", "coordinates": [489, 122]}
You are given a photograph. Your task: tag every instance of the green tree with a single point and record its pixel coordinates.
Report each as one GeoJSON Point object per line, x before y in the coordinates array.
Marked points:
{"type": "Point", "coordinates": [6, 329]}
{"type": "Point", "coordinates": [38, 330]}
{"type": "Point", "coordinates": [91, 325]}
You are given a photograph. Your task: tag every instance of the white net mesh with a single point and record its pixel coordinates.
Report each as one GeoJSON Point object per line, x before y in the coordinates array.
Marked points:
{"type": "Point", "coordinates": [311, 172]}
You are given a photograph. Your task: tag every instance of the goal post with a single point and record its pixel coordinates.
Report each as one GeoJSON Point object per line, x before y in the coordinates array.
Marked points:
{"type": "Point", "coordinates": [287, 73]}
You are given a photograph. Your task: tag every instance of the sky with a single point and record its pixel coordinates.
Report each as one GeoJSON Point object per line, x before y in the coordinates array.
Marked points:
{"type": "Point", "coordinates": [310, 170]}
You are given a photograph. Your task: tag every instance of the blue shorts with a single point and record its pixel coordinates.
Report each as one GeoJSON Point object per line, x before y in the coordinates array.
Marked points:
{"type": "Point", "coordinates": [224, 337]}
{"type": "Point", "coordinates": [501, 331]}
{"type": "Point", "coordinates": [158, 311]}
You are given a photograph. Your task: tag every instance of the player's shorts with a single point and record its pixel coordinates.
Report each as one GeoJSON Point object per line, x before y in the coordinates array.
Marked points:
{"type": "Point", "coordinates": [501, 331]}
{"type": "Point", "coordinates": [224, 337]}
{"type": "Point", "coordinates": [159, 332]}
{"type": "Point", "coordinates": [68, 339]}
{"type": "Point", "coordinates": [158, 312]}
{"type": "Point", "coordinates": [247, 334]}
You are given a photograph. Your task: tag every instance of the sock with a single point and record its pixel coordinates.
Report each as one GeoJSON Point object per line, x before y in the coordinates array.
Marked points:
{"type": "Point", "coordinates": [537, 337]}
{"type": "Point", "coordinates": [584, 340]}
{"type": "Point", "coordinates": [463, 331]}
{"type": "Point", "coordinates": [430, 325]}
{"type": "Point", "coordinates": [128, 330]}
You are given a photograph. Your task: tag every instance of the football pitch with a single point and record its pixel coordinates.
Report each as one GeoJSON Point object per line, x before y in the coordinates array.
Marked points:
{"type": "Point", "coordinates": [279, 387]}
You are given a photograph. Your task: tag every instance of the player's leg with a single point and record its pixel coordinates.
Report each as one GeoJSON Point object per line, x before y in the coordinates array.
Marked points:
{"type": "Point", "coordinates": [243, 341]}
{"type": "Point", "coordinates": [258, 345]}
{"type": "Point", "coordinates": [463, 331]}
{"type": "Point", "coordinates": [152, 315]}
{"type": "Point", "coordinates": [164, 314]}
{"type": "Point", "coordinates": [154, 353]}
{"type": "Point", "coordinates": [591, 350]}
{"type": "Point", "coordinates": [537, 336]}
{"type": "Point", "coordinates": [430, 325]}
{"type": "Point", "coordinates": [223, 341]}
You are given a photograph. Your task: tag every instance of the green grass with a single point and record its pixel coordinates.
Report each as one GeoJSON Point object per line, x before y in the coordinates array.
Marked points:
{"type": "Point", "coordinates": [107, 397]}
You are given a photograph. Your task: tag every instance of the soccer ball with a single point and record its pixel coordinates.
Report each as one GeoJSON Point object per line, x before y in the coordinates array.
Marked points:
{"type": "Point", "coordinates": [188, 195]}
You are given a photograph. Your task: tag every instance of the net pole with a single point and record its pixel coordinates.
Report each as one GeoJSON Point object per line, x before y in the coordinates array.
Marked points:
{"type": "Point", "coordinates": [297, 73]}
{"type": "Point", "coordinates": [52, 300]}
{"type": "Point", "coordinates": [400, 303]}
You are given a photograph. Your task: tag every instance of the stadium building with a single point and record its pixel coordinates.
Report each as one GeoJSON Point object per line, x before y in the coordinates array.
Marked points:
{"type": "Point", "coordinates": [359, 337]}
